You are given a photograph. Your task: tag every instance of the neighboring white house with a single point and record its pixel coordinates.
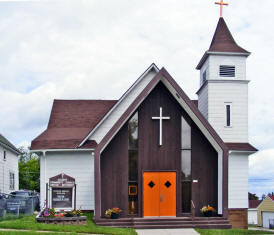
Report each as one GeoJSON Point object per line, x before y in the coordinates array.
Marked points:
{"type": "Point", "coordinates": [9, 180]}
{"type": "Point", "coordinates": [253, 211]}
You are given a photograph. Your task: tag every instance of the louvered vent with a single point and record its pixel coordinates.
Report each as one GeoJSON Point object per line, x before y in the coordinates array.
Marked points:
{"type": "Point", "coordinates": [227, 71]}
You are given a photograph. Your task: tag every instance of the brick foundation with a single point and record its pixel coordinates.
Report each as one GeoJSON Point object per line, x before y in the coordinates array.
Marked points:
{"type": "Point", "coordinates": [238, 218]}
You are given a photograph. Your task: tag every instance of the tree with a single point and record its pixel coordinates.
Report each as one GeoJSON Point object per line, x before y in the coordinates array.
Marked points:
{"type": "Point", "coordinates": [29, 170]}
{"type": "Point", "coordinates": [252, 196]}
{"type": "Point", "coordinates": [270, 194]}
{"type": "Point", "coordinates": [263, 196]}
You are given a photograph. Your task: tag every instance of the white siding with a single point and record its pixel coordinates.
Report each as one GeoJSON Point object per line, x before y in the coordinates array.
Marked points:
{"type": "Point", "coordinates": [252, 216]}
{"type": "Point", "coordinates": [238, 61]}
{"type": "Point", "coordinates": [79, 165]}
{"type": "Point", "coordinates": [204, 68]}
{"type": "Point", "coordinates": [203, 101]}
{"type": "Point", "coordinates": [233, 93]}
{"type": "Point", "coordinates": [238, 180]}
{"type": "Point", "coordinates": [7, 166]}
{"type": "Point", "coordinates": [121, 108]}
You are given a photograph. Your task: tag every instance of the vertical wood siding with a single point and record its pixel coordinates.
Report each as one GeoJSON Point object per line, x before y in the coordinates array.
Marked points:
{"type": "Point", "coordinates": [152, 157]}
{"type": "Point", "coordinates": [114, 173]}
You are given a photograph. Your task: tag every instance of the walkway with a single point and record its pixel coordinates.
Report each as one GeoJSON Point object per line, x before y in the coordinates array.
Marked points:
{"type": "Point", "coordinates": [185, 231]}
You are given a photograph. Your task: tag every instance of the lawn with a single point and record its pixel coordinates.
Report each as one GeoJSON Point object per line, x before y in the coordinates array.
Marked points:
{"type": "Point", "coordinates": [229, 232]}
{"type": "Point", "coordinates": [30, 223]}
{"type": "Point", "coordinates": [33, 233]}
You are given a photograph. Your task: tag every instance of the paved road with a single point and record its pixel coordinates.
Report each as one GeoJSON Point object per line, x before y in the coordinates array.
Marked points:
{"type": "Point", "coordinates": [183, 231]}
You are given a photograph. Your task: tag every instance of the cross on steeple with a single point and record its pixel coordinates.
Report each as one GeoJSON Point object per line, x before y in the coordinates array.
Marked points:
{"type": "Point", "coordinates": [221, 3]}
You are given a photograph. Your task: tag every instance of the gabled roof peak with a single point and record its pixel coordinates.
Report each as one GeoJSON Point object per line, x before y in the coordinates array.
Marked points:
{"type": "Point", "coordinates": [223, 40]}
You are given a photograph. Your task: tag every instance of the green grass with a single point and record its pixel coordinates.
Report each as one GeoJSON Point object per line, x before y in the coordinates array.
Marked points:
{"type": "Point", "coordinates": [32, 233]}
{"type": "Point", "coordinates": [30, 223]}
{"type": "Point", "coordinates": [230, 232]}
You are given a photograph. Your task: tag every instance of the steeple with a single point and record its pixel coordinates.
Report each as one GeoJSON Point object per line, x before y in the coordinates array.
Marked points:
{"type": "Point", "coordinates": [222, 43]}
{"type": "Point", "coordinates": [223, 40]}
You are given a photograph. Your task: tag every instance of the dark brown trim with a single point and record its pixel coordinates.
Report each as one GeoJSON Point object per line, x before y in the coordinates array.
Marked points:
{"type": "Point", "coordinates": [194, 109]}
{"type": "Point", "coordinates": [129, 111]}
{"type": "Point", "coordinates": [225, 184]}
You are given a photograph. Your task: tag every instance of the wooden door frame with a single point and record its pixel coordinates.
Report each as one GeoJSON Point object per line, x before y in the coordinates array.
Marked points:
{"type": "Point", "coordinates": [141, 199]}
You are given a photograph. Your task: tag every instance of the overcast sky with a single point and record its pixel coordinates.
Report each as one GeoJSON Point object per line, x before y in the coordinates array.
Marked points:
{"type": "Point", "coordinates": [97, 49]}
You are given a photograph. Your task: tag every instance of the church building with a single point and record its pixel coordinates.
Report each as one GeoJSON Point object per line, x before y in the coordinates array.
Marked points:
{"type": "Point", "coordinates": [154, 153]}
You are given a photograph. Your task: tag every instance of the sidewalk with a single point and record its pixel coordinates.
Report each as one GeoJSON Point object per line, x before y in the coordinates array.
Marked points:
{"type": "Point", "coordinates": [185, 231]}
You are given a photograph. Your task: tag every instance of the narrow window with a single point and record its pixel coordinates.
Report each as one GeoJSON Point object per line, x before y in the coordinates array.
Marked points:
{"type": "Point", "coordinates": [11, 181]}
{"type": "Point", "coordinates": [228, 117]}
{"type": "Point", "coordinates": [186, 165]}
{"type": "Point", "coordinates": [5, 155]}
{"type": "Point", "coordinates": [133, 165]}
{"type": "Point", "coordinates": [227, 71]}
{"type": "Point", "coordinates": [204, 76]}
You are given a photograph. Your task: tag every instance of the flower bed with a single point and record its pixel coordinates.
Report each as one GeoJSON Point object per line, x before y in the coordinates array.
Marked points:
{"type": "Point", "coordinates": [50, 216]}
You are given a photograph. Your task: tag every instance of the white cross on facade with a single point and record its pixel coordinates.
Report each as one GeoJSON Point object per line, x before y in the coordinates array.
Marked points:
{"type": "Point", "coordinates": [160, 118]}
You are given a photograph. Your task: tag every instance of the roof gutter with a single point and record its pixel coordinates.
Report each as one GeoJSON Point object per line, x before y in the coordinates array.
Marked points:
{"type": "Point", "coordinates": [243, 151]}
{"type": "Point", "coordinates": [10, 148]}
{"type": "Point", "coordinates": [61, 150]}
{"type": "Point", "coordinates": [207, 53]}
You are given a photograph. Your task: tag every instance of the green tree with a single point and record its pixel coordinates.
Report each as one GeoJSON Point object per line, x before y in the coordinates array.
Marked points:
{"type": "Point", "coordinates": [29, 170]}
{"type": "Point", "coordinates": [252, 196]}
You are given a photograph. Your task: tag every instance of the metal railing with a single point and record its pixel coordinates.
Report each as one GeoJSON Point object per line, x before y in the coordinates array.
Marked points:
{"type": "Point", "coordinates": [192, 210]}
{"type": "Point", "coordinates": [15, 205]}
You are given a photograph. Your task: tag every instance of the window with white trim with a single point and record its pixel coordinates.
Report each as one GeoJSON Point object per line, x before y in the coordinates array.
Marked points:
{"type": "Point", "coordinates": [12, 179]}
{"type": "Point", "coordinates": [228, 114]}
{"type": "Point", "coordinates": [227, 71]}
{"type": "Point", "coordinates": [5, 155]}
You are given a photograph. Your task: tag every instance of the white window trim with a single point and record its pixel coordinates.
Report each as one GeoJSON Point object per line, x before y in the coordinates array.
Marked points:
{"type": "Point", "coordinates": [4, 155]}
{"type": "Point", "coordinates": [225, 115]}
{"type": "Point", "coordinates": [11, 172]}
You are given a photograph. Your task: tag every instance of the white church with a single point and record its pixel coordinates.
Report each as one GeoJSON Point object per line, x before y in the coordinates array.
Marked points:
{"type": "Point", "coordinates": [154, 142]}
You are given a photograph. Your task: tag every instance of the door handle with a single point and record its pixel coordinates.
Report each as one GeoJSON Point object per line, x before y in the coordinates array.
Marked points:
{"type": "Point", "coordinates": [161, 197]}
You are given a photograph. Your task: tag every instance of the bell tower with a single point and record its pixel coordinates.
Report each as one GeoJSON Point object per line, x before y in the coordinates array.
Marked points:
{"type": "Point", "coordinates": [223, 92]}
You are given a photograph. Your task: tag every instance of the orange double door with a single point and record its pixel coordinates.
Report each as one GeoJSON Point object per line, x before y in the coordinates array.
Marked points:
{"type": "Point", "coordinates": [159, 194]}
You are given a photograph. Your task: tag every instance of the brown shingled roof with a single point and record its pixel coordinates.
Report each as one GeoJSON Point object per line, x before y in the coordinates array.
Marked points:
{"type": "Point", "coordinates": [241, 147]}
{"type": "Point", "coordinates": [254, 203]}
{"type": "Point", "coordinates": [70, 122]}
{"type": "Point", "coordinates": [223, 40]}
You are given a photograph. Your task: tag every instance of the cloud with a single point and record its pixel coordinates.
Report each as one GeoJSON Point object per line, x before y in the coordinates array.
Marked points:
{"type": "Point", "coordinates": [97, 49]}
{"type": "Point", "coordinates": [261, 172]}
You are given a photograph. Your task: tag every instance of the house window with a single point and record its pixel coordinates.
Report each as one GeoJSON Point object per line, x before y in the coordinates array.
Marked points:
{"type": "Point", "coordinates": [228, 115]}
{"type": "Point", "coordinates": [5, 155]}
{"type": "Point", "coordinates": [133, 165]}
{"type": "Point", "coordinates": [11, 181]}
{"type": "Point", "coordinates": [227, 71]}
{"type": "Point", "coordinates": [186, 178]}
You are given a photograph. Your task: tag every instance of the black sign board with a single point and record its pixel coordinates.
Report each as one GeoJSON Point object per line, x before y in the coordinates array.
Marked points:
{"type": "Point", "coordinates": [61, 197]}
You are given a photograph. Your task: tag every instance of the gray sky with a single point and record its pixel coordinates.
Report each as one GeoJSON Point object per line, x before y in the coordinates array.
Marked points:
{"type": "Point", "coordinates": [97, 49]}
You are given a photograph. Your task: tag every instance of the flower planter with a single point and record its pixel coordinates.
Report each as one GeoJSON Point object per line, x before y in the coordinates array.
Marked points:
{"type": "Point", "coordinates": [79, 220]}
{"type": "Point", "coordinates": [114, 216]}
{"type": "Point", "coordinates": [208, 213]}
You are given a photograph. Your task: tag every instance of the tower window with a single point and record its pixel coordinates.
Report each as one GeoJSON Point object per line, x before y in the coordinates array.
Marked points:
{"type": "Point", "coordinates": [5, 155]}
{"type": "Point", "coordinates": [227, 71]}
{"type": "Point", "coordinates": [228, 115]}
{"type": "Point", "coordinates": [204, 76]}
